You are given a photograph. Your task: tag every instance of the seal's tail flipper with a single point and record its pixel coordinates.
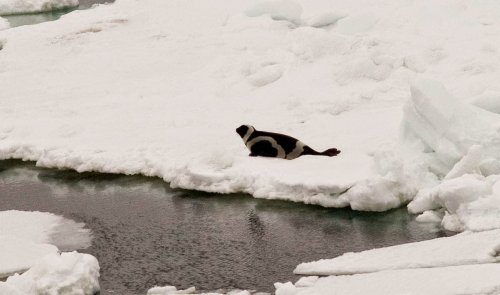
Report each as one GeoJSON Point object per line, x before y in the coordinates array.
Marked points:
{"type": "Point", "coordinates": [331, 152]}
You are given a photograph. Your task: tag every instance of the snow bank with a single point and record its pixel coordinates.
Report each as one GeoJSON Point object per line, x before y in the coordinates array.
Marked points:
{"type": "Point", "coordinates": [8, 7]}
{"type": "Point", "coordinates": [462, 249]}
{"type": "Point", "coordinates": [66, 273]}
{"type": "Point", "coordinates": [179, 77]}
{"type": "Point", "coordinates": [25, 237]}
{"type": "Point", "coordinates": [455, 280]}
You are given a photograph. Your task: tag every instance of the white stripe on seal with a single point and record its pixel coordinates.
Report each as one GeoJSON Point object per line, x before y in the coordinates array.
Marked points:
{"type": "Point", "coordinates": [249, 132]}
{"type": "Point", "coordinates": [297, 151]}
{"type": "Point", "coordinates": [272, 141]}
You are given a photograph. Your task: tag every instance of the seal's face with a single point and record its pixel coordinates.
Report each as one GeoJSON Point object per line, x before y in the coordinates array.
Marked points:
{"type": "Point", "coordinates": [243, 129]}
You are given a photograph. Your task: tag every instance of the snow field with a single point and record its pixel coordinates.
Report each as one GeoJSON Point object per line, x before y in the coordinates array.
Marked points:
{"type": "Point", "coordinates": [176, 79]}
{"type": "Point", "coordinates": [283, 66]}
{"type": "Point", "coordinates": [8, 7]}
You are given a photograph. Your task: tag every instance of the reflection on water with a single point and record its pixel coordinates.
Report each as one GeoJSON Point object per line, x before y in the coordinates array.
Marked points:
{"type": "Point", "coordinates": [36, 18]}
{"type": "Point", "coordinates": [146, 234]}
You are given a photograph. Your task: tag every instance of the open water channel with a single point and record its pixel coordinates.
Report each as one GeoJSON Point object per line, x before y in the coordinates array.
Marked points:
{"type": "Point", "coordinates": [146, 234]}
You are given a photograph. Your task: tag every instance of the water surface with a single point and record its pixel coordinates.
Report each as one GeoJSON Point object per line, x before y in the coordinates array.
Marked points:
{"type": "Point", "coordinates": [146, 234]}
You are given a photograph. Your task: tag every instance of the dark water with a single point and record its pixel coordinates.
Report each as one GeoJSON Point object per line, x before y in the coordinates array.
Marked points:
{"type": "Point", "coordinates": [35, 18]}
{"type": "Point", "coordinates": [147, 234]}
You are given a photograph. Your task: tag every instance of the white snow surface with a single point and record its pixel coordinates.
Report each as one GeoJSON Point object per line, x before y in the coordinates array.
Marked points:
{"type": "Point", "coordinates": [453, 280]}
{"type": "Point", "coordinates": [26, 237]}
{"type": "Point", "coordinates": [462, 249]}
{"type": "Point", "coordinates": [158, 87]}
{"type": "Point", "coordinates": [8, 7]}
{"type": "Point", "coordinates": [466, 263]}
{"type": "Point", "coordinates": [169, 290]}
{"type": "Point", "coordinates": [65, 273]}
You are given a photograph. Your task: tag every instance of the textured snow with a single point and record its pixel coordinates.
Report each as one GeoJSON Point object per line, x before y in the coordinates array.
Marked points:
{"type": "Point", "coordinates": [464, 144]}
{"type": "Point", "coordinates": [8, 7]}
{"type": "Point", "coordinates": [388, 84]}
{"type": "Point", "coordinates": [157, 88]}
{"type": "Point", "coordinates": [66, 273]}
{"type": "Point", "coordinates": [462, 249]}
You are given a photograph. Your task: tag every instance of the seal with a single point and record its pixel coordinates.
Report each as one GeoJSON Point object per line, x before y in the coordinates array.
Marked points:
{"type": "Point", "coordinates": [276, 145]}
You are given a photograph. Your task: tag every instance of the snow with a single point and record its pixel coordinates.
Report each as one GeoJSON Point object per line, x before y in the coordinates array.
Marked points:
{"type": "Point", "coordinates": [454, 280]}
{"type": "Point", "coordinates": [462, 264]}
{"type": "Point", "coordinates": [158, 87]}
{"type": "Point", "coordinates": [462, 249]}
{"type": "Point", "coordinates": [430, 217]}
{"type": "Point", "coordinates": [26, 237]}
{"type": "Point", "coordinates": [65, 273]}
{"type": "Point", "coordinates": [8, 7]}
{"type": "Point", "coordinates": [168, 290]}
{"type": "Point", "coordinates": [288, 10]}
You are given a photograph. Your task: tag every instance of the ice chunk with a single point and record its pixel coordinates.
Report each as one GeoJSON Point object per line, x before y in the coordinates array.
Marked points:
{"type": "Point", "coordinates": [20, 254]}
{"type": "Point", "coordinates": [448, 126]}
{"type": "Point", "coordinates": [66, 273]}
{"type": "Point", "coordinates": [457, 250]}
{"type": "Point", "coordinates": [469, 164]}
{"type": "Point", "coordinates": [430, 216]}
{"type": "Point", "coordinates": [450, 194]}
{"type": "Point", "coordinates": [454, 280]}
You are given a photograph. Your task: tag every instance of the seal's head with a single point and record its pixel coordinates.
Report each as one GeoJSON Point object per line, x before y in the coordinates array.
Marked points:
{"type": "Point", "coordinates": [244, 131]}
